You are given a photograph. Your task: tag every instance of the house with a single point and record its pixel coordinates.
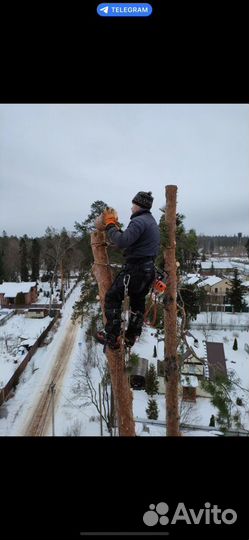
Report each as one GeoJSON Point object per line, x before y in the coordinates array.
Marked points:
{"type": "Point", "coordinates": [37, 313]}
{"type": "Point", "coordinates": [200, 361]}
{"type": "Point", "coordinates": [23, 293]}
{"type": "Point", "coordinates": [217, 289]}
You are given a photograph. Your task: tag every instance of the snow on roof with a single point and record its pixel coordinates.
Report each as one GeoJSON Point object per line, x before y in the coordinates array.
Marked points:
{"type": "Point", "coordinates": [211, 280]}
{"type": "Point", "coordinates": [197, 346]}
{"type": "Point", "coordinates": [11, 289]}
{"type": "Point", "coordinates": [216, 264]}
{"type": "Point", "coordinates": [192, 280]}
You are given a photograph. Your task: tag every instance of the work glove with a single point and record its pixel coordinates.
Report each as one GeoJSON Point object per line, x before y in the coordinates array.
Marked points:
{"type": "Point", "coordinates": [110, 217]}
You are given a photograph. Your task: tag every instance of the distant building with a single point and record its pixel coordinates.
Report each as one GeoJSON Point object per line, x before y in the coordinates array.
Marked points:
{"type": "Point", "coordinates": [217, 289]}
{"type": "Point", "coordinates": [218, 267]}
{"type": "Point", "coordinates": [10, 290]}
{"type": "Point", "coordinates": [195, 368]}
{"type": "Point", "coordinates": [204, 360]}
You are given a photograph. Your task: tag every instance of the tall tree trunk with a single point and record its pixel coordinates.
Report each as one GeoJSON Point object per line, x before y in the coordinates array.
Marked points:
{"type": "Point", "coordinates": [170, 319]}
{"type": "Point", "coordinates": [120, 383]}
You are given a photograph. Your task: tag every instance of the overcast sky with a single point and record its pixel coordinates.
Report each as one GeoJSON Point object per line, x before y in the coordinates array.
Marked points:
{"type": "Point", "coordinates": [56, 160]}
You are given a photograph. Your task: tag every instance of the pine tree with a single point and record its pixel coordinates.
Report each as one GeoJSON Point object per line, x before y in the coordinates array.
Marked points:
{"type": "Point", "coordinates": [212, 421]}
{"type": "Point", "coordinates": [222, 389]}
{"type": "Point", "coordinates": [235, 344]}
{"type": "Point", "coordinates": [193, 298]}
{"type": "Point", "coordinates": [151, 381]}
{"type": "Point", "coordinates": [24, 261]}
{"type": "Point", "coordinates": [235, 295]}
{"type": "Point", "coordinates": [152, 410]}
{"type": "Point", "coordinates": [1, 268]}
{"type": "Point", "coordinates": [186, 244]}
{"type": "Point", "coordinates": [35, 259]}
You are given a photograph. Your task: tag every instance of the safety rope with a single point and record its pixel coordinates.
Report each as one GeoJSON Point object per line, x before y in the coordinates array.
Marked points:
{"type": "Point", "coordinates": [157, 289]}
{"type": "Point", "coordinates": [126, 306]}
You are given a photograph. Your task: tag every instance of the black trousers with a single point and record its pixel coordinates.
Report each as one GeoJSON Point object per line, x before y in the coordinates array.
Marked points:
{"type": "Point", "coordinates": [142, 275]}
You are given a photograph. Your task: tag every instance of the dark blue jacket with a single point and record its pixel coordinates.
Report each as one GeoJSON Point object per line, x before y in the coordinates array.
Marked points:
{"type": "Point", "coordinates": [140, 239]}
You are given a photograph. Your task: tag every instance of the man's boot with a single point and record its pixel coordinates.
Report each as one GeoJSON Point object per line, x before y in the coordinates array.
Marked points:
{"type": "Point", "coordinates": [111, 335]}
{"type": "Point", "coordinates": [134, 329]}
{"type": "Point", "coordinates": [107, 339]}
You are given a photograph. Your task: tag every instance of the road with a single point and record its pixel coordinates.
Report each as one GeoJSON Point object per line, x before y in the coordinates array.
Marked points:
{"type": "Point", "coordinates": [38, 423]}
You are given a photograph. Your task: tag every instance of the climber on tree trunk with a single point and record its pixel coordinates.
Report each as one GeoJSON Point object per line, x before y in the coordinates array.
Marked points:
{"type": "Point", "coordinates": [140, 242]}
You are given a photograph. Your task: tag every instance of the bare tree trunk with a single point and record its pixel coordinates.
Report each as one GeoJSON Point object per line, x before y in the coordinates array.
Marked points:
{"type": "Point", "coordinates": [170, 319]}
{"type": "Point", "coordinates": [120, 383]}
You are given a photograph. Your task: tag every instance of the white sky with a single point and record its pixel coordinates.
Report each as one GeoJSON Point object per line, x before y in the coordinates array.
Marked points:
{"type": "Point", "coordinates": [56, 160]}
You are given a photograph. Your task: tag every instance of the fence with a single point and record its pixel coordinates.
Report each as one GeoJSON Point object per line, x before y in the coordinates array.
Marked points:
{"type": "Point", "coordinates": [15, 377]}
{"type": "Point", "coordinates": [218, 326]}
{"type": "Point", "coordinates": [3, 321]}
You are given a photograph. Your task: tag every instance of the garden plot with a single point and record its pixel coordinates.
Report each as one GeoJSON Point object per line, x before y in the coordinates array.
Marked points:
{"type": "Point", "coordinates": [17, 335]}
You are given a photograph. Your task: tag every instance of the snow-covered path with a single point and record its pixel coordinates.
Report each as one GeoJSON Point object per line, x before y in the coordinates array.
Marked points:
{"type": "Point", "coordinates": [36, 426]}
{"type": "Point", "coordinates": [17, 412]}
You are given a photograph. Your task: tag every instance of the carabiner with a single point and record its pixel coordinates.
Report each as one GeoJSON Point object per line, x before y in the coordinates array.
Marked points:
{"type": "Point", "coordinates": [126, 283]}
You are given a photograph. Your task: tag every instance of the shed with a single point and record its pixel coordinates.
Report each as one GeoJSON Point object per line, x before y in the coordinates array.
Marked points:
{"type": "Point", "coordinates": [138, 374]}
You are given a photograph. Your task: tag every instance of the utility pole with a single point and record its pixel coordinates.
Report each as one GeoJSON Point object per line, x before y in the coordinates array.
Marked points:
{"type": "Point", "coordinates": [62, 282]}
{"type": "Point", "coordinates": [100, 409]}
{"type": "Point", "coordinates": [52, 388]}
{"type": "Point", "coordinates": [170, 318]}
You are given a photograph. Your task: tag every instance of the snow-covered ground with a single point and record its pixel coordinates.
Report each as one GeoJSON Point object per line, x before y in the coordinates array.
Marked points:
{"type": "Point", "coordinates": [14, 412]}
{"type": "Point", "coordinates": [4, 313]}
{"type": "Point", "coordinates": [16, 331]}
{"type": "Point", "coordinates": [76, 415]}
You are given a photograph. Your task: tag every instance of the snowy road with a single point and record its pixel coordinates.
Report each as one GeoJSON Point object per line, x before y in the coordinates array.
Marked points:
{"type": "Point", "coordinates": [38, 423]}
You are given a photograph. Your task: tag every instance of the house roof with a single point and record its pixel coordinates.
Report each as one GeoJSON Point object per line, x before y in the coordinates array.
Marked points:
{"type": "Point", "coordinates": [216, 359]}
{"type": "Point", "coordinates": [211, 280]}
{"type": "Point", "coordinates": [192, 279]}
{"type": "Point", "coordinates": [207, 265]}
{"type": "Point", "coordinates": [11, 289]}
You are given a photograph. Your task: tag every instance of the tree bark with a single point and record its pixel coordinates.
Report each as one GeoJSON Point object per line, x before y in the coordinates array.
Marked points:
{"type": "Point", "coordinates": [170, 319]}
{"type": "Point", "coordinates": [121, 389]}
